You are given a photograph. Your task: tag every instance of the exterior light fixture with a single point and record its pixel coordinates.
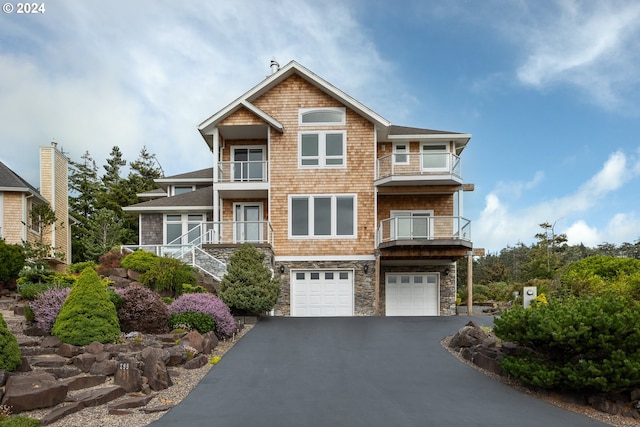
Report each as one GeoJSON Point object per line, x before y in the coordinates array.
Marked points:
{"type": "Point", "coordinates": [281, 269]}
{"type": "Point", "coordinates": [366, 268]}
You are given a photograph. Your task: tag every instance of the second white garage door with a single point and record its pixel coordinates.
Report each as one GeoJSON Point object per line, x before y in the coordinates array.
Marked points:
{"type": "Point", "coordinates": [318, 293]}
{"type": "Point", "coordinates": [412, 294]}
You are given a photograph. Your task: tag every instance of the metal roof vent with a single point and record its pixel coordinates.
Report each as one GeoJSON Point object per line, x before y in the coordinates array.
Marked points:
{"type": "Point", "coordinates": [275, 67]}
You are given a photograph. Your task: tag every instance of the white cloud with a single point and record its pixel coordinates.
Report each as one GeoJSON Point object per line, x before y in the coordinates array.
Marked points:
{"type": "Point", "coordinates": [500, 224]}
{"type": "Point", "coordinates": [97, 74]}
{"type": "Point", "coordinates": [590, 45]}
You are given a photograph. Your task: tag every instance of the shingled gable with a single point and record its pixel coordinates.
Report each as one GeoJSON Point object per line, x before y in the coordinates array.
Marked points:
{"type": "Point", "coordinates": [206, 127]}
{"type": "Point", "coordinates": [11, 181]}
{"type": "Point", "coordinates": [199, 200]}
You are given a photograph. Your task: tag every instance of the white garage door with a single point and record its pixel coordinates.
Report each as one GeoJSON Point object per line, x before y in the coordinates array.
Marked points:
{"type": "Point", "coordinates": [412, 294]}
{"type": "Point", "coordinates": [318, 293]}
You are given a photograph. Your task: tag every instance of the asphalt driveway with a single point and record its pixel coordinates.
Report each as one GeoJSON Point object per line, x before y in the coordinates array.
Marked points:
{"type": "Point", "coordinates": [359, 371]}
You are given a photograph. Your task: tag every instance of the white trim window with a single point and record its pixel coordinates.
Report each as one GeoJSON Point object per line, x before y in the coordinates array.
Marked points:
{"type": "Point", "coordinates": [322, 116]}
{"type": "Point", "coordinates": [323, 216]}
{"type": "Point", "coordinates": [435, 157]}
{"type": "Point", "coordinates": [182, 229]}
{"type": "Point", "coordinates": [400, 153]}
{"type": "Point", "coordinates": [322, 149]}
{"type": "Point", "coordinates": [176, 190]}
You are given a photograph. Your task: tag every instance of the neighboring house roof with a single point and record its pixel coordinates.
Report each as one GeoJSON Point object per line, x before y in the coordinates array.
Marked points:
{"type": "Point", "coordinates": [152, 194]}
{"type": "Point", "coordinates": [199, 200]}
{"type": "Point", "coordinates": [276, 78]}
{"type": "Point", "coordinates": [201, 175]}
{"type": "Point", "coordinates": [11, 181]}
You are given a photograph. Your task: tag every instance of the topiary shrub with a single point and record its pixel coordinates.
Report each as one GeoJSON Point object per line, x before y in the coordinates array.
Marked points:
{"type": "Point", "coordinates": [87, 314]}
{"type": "Point", "coordinates": [140, 261]}
{"type": "Point", "coordinates": [586, 344]}
{"type": "Point", "coordinates": [9, 349]}
{"type": "Point", "coordinates": [168, 274]}
{"type": "Point", "coordinates": [225, 324]}
{"type": "Point", "coordinates": [46, 307]}
{"type": "Point", "coordinates": [249, 286]}
{"type": "Point", "coordinates": [143, 311]}
{"type": "Point", "coordinates": [201, 322]}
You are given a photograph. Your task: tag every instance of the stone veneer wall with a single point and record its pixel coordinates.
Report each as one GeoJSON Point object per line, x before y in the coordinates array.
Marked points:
{"type": "Point", "coordinates": [224, 252]}
{"type": "Point", "coordinates": [364, 283]}
{"type": "Point", "coordinates": [447, 284]}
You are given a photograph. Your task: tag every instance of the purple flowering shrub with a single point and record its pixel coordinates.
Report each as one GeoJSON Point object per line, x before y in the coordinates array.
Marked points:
{"type": "Point", "coordinates": [208, 304]}
{"type": "Point", "coordinates": [47, 305]}
{"type": "Point", "coordinates": [142, 310]}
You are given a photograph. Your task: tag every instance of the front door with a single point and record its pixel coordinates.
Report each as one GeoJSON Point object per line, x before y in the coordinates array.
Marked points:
{"type": "Point", "coordinates": [248, 164]}
{"type": "Point", "coordinates": [248, 220]}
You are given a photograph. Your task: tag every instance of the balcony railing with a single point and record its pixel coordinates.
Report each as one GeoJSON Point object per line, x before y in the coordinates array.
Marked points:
{"type": "Point", "coordinates": [223, 232]}
{"type": "Point", "coordinates": [245, 171]}
{"type": "Point", "coordinates": [424, 228]}
{"type": "Point", "coordinates": [419, 164]}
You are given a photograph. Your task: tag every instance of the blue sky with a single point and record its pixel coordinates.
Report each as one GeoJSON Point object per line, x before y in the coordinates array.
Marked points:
{"type": "Point", "coordinates": [548, 89]}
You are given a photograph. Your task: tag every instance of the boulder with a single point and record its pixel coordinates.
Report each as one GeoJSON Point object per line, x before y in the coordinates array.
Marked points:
{"type": "Point", "coordinates": [468, 336]}
{"type": "Point", "coordinates": [194, 339]}
{"type": "Point", "coordinates": [61, 412]}
{"type": "Point", "coordinates": [176, 355]}
{"type": "Point", "coordinates": [106, 367]}
{"type": "Point", "coordinates": [69, 350]}
{"type": "Point", "coordinates": [197, 362]}
{"type": "Point", "coordinates": [131, 402]}
{"type": "Point", "coordinates": [84, 361]}
{"type": "Point", "coordinates": [50, 342]}
{"type": "Point", "coordinates": [33, 391]}
{"type": "Point", "coordinates": [128, 377]}
{"type": "Point", "coordinates": [94, 348]}
{"type": "Point", "coordinates": [84, 381]}
{"type": "Point", "coordinates": [48, 361]}
{"type": "Point", "coordinates": [99, 396]}
{"type": "Point", "coordinates": [155, 369]}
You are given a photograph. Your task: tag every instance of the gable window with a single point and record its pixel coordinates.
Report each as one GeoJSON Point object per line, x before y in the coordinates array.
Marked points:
{"type": "Point", "coordinates": [321, 116]}
{"type": "Point", "coordinates": [322, 149]}
{"type": "Point", "coordinates": [322, 216]}
{"type": "Point", "coordinates": [182, 189]}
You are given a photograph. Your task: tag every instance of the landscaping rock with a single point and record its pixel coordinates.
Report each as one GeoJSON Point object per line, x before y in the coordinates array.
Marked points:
{"type": "Point", "coordinates": [61, 412]}
{"type": "Point", "coordinates": [94, 348]}
{"type": "Point", "coordinates": [50, 342]}
{"type": "Point", "coordinates": [69, 350]}
{"type": "Point", "coordinates": [84, 361]}
{"type": "Point", "coordinates": [48, 361]}
{"type": "Point", "coordinates": [160, 408]}
{"type": "Point", "coordinates": [131, 402]}
{"type": "Point", "coordinates": [196, 362]}
{"type": "Point", "coordinates": [105, 367]}
{"type": "Point", "coordinates": [128, 377]}
{"type": "Point", "coordinates": [602, 404]}
{"type": "Point", "coordinates": [64, 372]}
{"type": "Point", "coordinates": [24, 366]}
{"type": "Point", "coordinates": [33, 391]}
{"type": "Point", "coordinates": [84, 381]}
{"type": "Point", "coordinates": [176, 355]}
{"type": "Point", "coordinates": [194, 339]}
{"type": "Point", "coordinates": [468, 336]}
{"type": "Point", "coordinates": [155, 369]}
{"type": "Point", "coordinates": [99, 396]}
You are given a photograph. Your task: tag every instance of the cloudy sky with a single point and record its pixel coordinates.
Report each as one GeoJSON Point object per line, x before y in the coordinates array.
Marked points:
{"type": "Point", "coordinates": [549, 89]}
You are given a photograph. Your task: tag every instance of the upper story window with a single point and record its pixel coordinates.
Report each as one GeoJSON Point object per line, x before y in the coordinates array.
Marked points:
{"type": "Point", "coordinates": [322, 116]}
{"type": "Point", "coordinates": [400, 151]}
{"type": "Point", "coordinates": [322, 149]}
{"type": "Point", "coordinates": [322, 216]}
{"type": "Point", "coordinates": [181, 189]}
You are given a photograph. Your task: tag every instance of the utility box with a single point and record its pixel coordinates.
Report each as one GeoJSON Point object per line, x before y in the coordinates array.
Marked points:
{"type": "Point", "coordinates": [529, 293]}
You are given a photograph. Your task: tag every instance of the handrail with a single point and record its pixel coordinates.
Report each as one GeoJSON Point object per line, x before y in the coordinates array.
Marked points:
{"type": "Point", "coordinates": [243, 171]}
{"type": "Point", "coordinates": [423, 228]}
{"type": "Point", "coordinates": [418, 164]}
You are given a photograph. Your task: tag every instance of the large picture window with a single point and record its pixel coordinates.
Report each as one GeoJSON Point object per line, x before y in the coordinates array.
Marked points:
{"type": "Point", "coordinates": [322, 216]}
{"type": "Point", "coordinates": [322, 149]}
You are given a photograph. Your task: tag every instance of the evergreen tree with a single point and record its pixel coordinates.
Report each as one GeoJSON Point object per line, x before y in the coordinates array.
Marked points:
{"type": "Point", "coordinates": [144, 171]}
{"type": "Point", "coordinates": [102, 232]}
{"type": "Point", "coordinates": [249, 286]}
{"type": "Point", "coordinates": [84, 187]}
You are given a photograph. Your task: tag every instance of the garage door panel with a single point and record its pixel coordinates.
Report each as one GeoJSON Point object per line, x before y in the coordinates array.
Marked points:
{"type": "Point", "coordinates": [412, 295]}
{"type": "Point", "coordinates": [322, 293]}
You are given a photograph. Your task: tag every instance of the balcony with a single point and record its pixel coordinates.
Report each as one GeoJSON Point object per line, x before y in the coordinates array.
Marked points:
{"type": "Point", "coordinates": [418, 169]}
{"type": "Point", "coordinates": [424, 237]}
{"type": "Point", "coordinates": [235, 232]}
{"type": "Point", "coordinates": [245, 179]}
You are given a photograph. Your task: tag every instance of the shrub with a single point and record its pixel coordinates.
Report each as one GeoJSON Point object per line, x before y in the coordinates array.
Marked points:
{"type": "Point", "coordinates": [20, 421]}
{"type": "Point", "coordinates": [12, 260]}
{"type": "Point", "coordinates": [78, 267]}
{"type": "Point", "coordinates": [109, 260]}
{"type": "Point", "coordinates": [87, 314]}
{"type": "Point", "coordinates": [30, 291]}
{"type": "Point", "coordinates": [9, 349]}
{"type": "Point", "coordinates": [188, 288]}
{"type": "Point", "coordinates": [47, 305]}
{"type": "Point", "coordinates": [249, 286]}
{"type": "Point", "coordinates": [598, 275]}
{"type": "Point", "coordinates": [168, 274]}
{"type": "Point", "coordinates": [143, 311]}
{"type": "Point", "coordinates": [585, 344]}
{"type": "Point", "coordinates": [201, 322]}
{"type": "Point", "coordinates": [209, 304]}
{"type": "Point", "coordinates": [140, 261]}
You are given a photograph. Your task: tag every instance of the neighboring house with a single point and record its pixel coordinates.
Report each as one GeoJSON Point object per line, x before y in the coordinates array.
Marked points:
{"type": "Point", "coordinates": [17, 198]}
{"type": "Point", "coordinates": [357, 216]}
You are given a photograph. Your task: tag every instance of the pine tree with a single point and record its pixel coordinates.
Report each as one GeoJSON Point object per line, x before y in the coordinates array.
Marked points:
{"type": "Point", "coordinates": [84, 187]}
